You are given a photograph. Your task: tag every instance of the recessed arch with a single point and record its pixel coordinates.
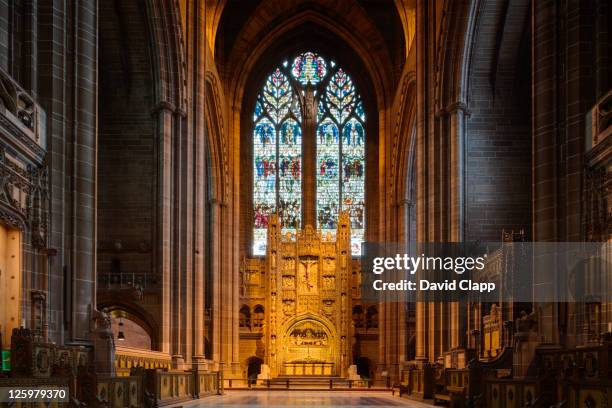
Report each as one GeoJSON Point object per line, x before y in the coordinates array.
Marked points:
{"type": "Point", "coordinates": [347, 62]}
{"type": "Point", "coordinates": [374, 57]}
{"type": "Point", "coordinates": [117, 308]}
{"type": "Point", "coordinates": [216, 140]}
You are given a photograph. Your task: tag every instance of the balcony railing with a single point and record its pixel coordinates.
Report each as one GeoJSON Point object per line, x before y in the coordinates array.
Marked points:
{"type": "Point", "coordinates": [127, 280]}
{"type": "Point", "coordinates": [127, 358]}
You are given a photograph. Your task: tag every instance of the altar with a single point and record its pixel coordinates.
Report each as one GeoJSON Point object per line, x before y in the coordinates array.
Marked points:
{"type": "Point", "coordinates": [306, 368]}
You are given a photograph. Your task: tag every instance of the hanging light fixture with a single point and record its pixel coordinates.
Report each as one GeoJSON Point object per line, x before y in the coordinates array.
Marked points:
{"type": "Point", "coordinates": [120, 334]}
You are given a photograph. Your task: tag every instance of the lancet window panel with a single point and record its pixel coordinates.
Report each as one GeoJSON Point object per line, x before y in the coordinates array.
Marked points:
{"type": "Point", "coordinates": [341, 129]}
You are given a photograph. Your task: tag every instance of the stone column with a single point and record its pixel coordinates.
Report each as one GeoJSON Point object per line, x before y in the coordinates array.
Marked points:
{"type": "Point", "coordinates": [216, 317]}
{"type": "Point", "coordinates": [545, 134]}
{"type": "Point", "coordinates": [200, 187]}
{"type": "Point", "coordinates": [164, 216]}
{"type": "Point", "coordinates": [457, 113]}
{"type": "Point", "coordinates": [456, 117]}
{"type": "Point", "coordinates": [178, 271]}
{"type": "Point", "coordinates": [421, 39]}
{"type": "Point", "coordinates": [30, 47]}
{"type": "Point", "coordinates": [604, 42]}
{"type": "Point", "coordinates": [225, 291]}
{"type": "Point", "coordinates": [405, 208]}
{"type": "Point", "coordinates": [200, 182]}
{"type": "Point", "coordinates": [52, 44]}
{"type": "Point", "coordinates": [84, 148]}
{"type": "Point", "coordinates": [185, 243]}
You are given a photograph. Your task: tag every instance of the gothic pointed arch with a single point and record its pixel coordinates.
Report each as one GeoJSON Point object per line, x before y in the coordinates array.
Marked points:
{"type": "Point", "coordinates": [363, 38]}
{"type": "Point", "coordinates": [167, 46]}
{"type": "Point", "coordinates": [308, 97]}
{"type": "Point", "coordinates": [216, 138]}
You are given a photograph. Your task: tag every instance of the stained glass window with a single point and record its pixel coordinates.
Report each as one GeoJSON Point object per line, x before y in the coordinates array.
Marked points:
{"type": "Point", "coordinates": [328, 176]}
{"type": "Point", "coordinates": [309, 68]}
{"type": "Point", "coordinates": [277, 158]}
{"type": "Point", "coordinates": [341, 157]}
{"type": "Point", "coordinates": [353, 179]}
{"type": "Point", "coordinates": [290, 175]}
{"type": "Point", "coordinates": [277, 148]}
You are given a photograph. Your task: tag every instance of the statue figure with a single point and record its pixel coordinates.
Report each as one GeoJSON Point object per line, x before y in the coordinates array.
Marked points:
{"type": "Point", "coordinates": [104, 342]}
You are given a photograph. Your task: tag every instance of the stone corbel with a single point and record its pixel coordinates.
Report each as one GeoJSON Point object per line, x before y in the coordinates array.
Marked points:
{"type": "Point", "coordinates": [163, 106]}
{"type": "Point", "coordinates": [458, 106]}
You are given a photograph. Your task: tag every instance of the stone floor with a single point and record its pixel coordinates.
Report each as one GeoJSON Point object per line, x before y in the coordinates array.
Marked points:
{"type": "Point", "coordinates": [286, 399]}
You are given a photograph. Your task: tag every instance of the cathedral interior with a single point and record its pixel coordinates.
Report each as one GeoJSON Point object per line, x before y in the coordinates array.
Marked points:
{"type": "Point", "coordinates": [187, 188]}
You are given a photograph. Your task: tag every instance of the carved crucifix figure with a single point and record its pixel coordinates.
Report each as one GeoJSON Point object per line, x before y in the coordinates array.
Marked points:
{"type": "Point", "coordinates": [308, 276]}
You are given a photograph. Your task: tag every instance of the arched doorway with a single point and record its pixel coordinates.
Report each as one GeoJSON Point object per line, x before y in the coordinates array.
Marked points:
{"type": "Point", "coordinates": [364, 367]}
{"type": "Point", "coordinates": [309, 349]}
{"type": "Point", "coordinates": [130, 333]}
{"type": "Point", "coordinates": [253, 369]}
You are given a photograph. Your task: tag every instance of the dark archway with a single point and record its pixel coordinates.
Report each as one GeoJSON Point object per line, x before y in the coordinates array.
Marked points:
{"type": "Point", "coordinates": [372, 317]}
{"type": "Point", "coordinates": [364, 367]}
{"type": "Point", "coordinates": [117, 309]}
{"type": "Point", "coordinates": [358, 316]}
{"type": "Point", "coordinates": [253, 369]}
{"type": "Point", "coordinates": [245, 317]}
{"type": "Point", "coordinates": [411, 348]}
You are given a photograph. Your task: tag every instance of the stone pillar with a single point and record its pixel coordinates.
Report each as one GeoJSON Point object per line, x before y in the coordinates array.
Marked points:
{"type": "Point", "coordinates": [457, 113]}
{"type": "Point", "coordinates": [178, 272]}
{"type": "Point", "coordinates": [383, 335]}
{"type": "Point", "coordinates": [604, 42]}
{"type": "Point", "coordinates": [30, 47]}
{"type": "Point", "coordinates": [51, 44]}
{"type": "Point", "coordinates": [547, 142]}
{"type": "Point", "coordinates": [545, 211]}
{"type": "Point", "coordinates": [405, 208]}
{"type": "Point", "coordinates": [200, 184]}
{"type": "Point", "coordinates": [456, 117]}
{"type": "Point", "coordinates": [104, 343]}
{"type": "Point", "coordinates": [84, 148]}
{"type": "Point", "coordinates": [421, 44]}
{"type": "Point", "coordinates": [216, 317]}
{"type": "Point", "coordinates": [420, 351]}
{"type": "Point", "coordinates": [200, 189]}
{"type": "Point", "coordinates": [184, 178]}
{"type": "Point", "coordinates": [228, 292]}
{"type": "Point", "coordinates": [164, 217]}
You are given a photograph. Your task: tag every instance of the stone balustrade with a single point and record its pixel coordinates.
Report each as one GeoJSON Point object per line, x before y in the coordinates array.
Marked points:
{"type": "Point", "coordinates": [170, 387]}
{"type": "Point", "coordinates": [119, 392]}
{"type": "Point", "coordinates": [154, 387]}
{"type": "Point", "coordinates": [127, 358]}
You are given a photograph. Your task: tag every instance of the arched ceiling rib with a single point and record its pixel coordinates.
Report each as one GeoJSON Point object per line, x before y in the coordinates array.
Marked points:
{"type": "Point", "coordinates": [271, 20]}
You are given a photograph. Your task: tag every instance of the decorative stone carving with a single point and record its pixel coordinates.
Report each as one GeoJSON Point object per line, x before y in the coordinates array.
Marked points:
{"type": "Point", "coordinates": [63, 365]}
{"type": "Point", "coordinates": [29, 356]}
{"type": "Point", "coordinates": [307, 279]}
{"type": "Point", "coordinates": [39, 312]}
{"type": "Point", "coordinates": [22, 346]}
{"type": "Point", "coordinates": [37, 202]}
{"type": "Point", "coordinates": [264, 374]}
{"type": "Point", "coordinates": [104, 344]}
{"type": "Point", "coordinates": [24, 196]}
{"type": "Point", "coordinates": [527, 323]}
